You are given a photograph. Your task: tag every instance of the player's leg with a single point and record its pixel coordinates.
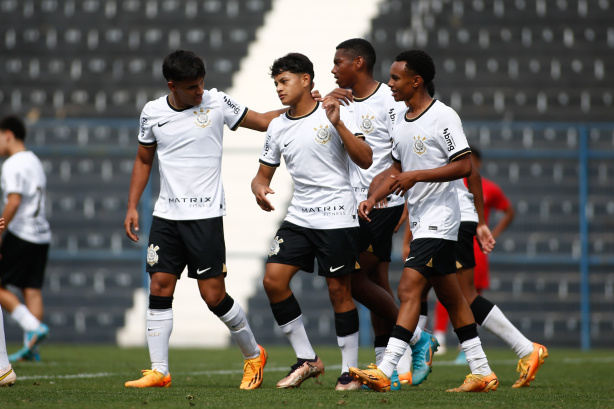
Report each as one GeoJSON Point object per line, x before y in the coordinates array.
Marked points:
{"type": "Point", "coordinates": [531, 355]}
{"type": "Point", "coordinates": [409, 291]}
{"type": "Point", "coordinates": [23, 265]}
{"type": "Point", "coordinates": [7, 375]}
{"type": "Point", "coordinates": [166, 259]}
{"type": "Point", "coordinates": [441, 321]}
{"type": "Point", "coordinates": [482, 378]}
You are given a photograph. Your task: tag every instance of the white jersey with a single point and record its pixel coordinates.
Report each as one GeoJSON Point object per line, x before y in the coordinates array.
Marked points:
{"type": "Point", "coordinates": [430, 141]}
{"type": "Point", "coordinates": [375, 116]}
{"type": "Point", "coordinates": [23, 173]}
{"type": "Point", "coordinates": [189, 147]}
{"type": "Point", "coordinates": [466, 203]}
{"type": "Point", "coordinates": [319, 165]}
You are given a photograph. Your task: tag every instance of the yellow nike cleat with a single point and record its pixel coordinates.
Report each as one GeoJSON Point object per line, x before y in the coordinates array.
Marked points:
{"type": "Point", "coordinates": [252, 371]}
{"type": "Point", "coordinates": [151, 379]}
{"type": "Point", "coordinates": [478, 383]}
{"type": "Point", "coordinates": [529, 365]}
{"type": "Point", "coordinates": [8, 377]}
{"type": "Point", "coordinates": [373, 377]}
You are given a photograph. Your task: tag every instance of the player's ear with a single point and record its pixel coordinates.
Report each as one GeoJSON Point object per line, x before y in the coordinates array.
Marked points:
{"type": "Point", "coordinates": [171, 86]}
{"type": "Point", "coordinates": [306, 80]}
{"type": "Point", "coordinates": [359, 62]}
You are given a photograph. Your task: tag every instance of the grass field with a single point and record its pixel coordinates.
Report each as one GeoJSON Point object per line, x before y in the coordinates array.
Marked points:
{"type": "Point", "coordinates": [73, 376]}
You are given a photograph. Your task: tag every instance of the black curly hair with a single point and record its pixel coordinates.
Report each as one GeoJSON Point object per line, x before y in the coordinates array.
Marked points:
{"type": "Point", "coordinates": [295, 63]}
{"type": "Point", "coordinates": [419, 62]}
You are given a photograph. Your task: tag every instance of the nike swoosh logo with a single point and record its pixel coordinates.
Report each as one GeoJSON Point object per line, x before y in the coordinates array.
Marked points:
{"type": "Point", "coordinates": [286, 144]}
{"type": "Point", "coordinates": [332, 270]}
{"type": "Point", "coordinates": [160, 124]}
{"type": "Point", "coordinates": [202, 271]}
{"type": "Point", "coordinates": [409, 258]}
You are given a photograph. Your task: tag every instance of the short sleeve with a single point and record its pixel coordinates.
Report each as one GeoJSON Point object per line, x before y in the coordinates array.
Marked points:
{"type": "Point", "coordinates": [271, 154]}
{"type": "Point", "coordinates": [451, 136]}
{"type": "Point", "coordinates": [146, 136]}
{"type": "Point", "coordinates": [497, 199]}
{"type": "Point", "coordinates": [13, 181]}
{"type": "Point", "coordinates": [349, 119]}
{"type": "Point", "coordinates": [232, 111]}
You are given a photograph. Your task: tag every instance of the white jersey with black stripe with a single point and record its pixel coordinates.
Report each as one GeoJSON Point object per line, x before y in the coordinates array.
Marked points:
{"type": "Point", "coordinates": [375, 115]}
{"type": "Point", "coordinates": [319, 166]}
{"type": "Point", "coordinates": [466, 203]}
{"type": "Point", "coordinates": [189, 147]}
{"type": "Point", "coordinates": [23, 174]}
{"type": "Point", "coordinates": [430, 141]}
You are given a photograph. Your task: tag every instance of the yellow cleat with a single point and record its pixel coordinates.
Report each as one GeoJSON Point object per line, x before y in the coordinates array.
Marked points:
{"type": "Point", "coordinates": [529, 365]}
{"type": "Point", "coordinates": [478, 383]}
{"type": "Point", "coordinates": [373, 377]}
{"type": "Point", "coordinates": [252, 371]}
{"type": "Point", "coordinates": [8, 377]}
{"type": "Point", "coordinates": [150, 379]}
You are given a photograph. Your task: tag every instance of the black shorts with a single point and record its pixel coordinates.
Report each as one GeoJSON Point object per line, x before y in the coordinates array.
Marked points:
{"type": "Point", "coordinates": [431, 257]}
{"type": "Point", "coordinates": [199, 244]}
{"type": "Point", "coordinates": [23, 263]}
{"type": "Point", "coordinates": [335, 249]}
{"type": "Point", "coordinates": [463, 249]}
{"type": "Point", "coordinates": [376, 236]}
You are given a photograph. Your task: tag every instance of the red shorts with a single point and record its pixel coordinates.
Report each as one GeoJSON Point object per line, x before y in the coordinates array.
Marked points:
{"type": "Point", "coordinates": [481, 276]}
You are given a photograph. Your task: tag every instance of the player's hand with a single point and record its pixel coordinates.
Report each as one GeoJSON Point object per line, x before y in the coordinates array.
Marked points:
{"type": "Point", "coordinates": [364, 208]}
{"type": "Point", "coordinates": [315, 94]}
{"type": "Point", "coordinates": [485, 238]}
{"type": "Point", "coordinates": [402, 182]}
{"type": "Point", "coordinates": [331, 105]}
{"type": "Point", "coordinates": [260, 191]}
{"type": "Point", "coordinates": [132, 222]}
{"type": "Point", "coordinates": [382, 203]}
{"type": "Point", "coordinates": [343, 95]}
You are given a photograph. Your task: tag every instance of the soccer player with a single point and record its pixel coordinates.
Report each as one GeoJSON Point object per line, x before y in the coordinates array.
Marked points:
{"type": "Point", "coordinates": [25, 245]}
{"type": "Point", "coordinates": [375, 111]}
{"type": "Point", "coordinates": [317, 145]}
{"type": "Point", "coordinates": [430, 151]}
{"type": "Point", "coordinates": [531, 354]}
{"type": "Point", "coordinates": [7, 375]}
{"type": "Point", "coordinates": [185, 129]}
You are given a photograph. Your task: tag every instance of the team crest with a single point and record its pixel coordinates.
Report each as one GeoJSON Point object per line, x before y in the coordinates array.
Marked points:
{"type": "Point", "coordinates": [152, 255]}
{"type": "Point", "coordinates": [367, 123]}
{"type": "Point", "coordinates": [275, 246]}
{"type": "Point", "coordinates": [202, 118]}
{"type": "Point", "coordinates": [323, 134]}
{"type": "Point", "coordinates": [419, 145]}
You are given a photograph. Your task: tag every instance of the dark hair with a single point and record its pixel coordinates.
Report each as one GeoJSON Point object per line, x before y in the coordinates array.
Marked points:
{"type": "Point", "coordinates": [295, 63]}
{"type": "Point", "coordinates": [14, 124]}
{"type": "Point", "coordinates": [476, 153]}
{"type": "Point", "coordinates": [181, 65]}
{"type": "Point", "coordinates": [420, 62]}
{"type": "Point", "coordinates": [358, 47]}
{"type": "Point", "coordinates": [430, 88]}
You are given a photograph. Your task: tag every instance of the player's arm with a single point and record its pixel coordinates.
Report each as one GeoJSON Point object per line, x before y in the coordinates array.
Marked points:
{"type": "Point", "coordinates": [13, 201]}
{"type": "Point", "coordinates": [407, 238]}
{"type": "Point", "coordinates": [260, 122]}
{"type": "Point", "coordinates": [378, 191]}
{"type": "Point", "coordinates": [360, 152]}
{"type": "Point", "coordinates": [458, 168]}
{"type": "Point", "coordinates": [483, 234]}
{"type": "Point", "coordinates": [261, 187]}
{"type": "Point", "coordinates": [140, 176]}
{"type": "Point", "coordinates": [506, 220]}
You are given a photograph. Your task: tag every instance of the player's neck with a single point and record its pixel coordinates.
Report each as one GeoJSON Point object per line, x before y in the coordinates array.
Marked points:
{"type": "Point", "coordinates": [364, 87]}
{"type": "Point", "coordinates": [16, 147]}
{"type": "Point", "coordinates": [418, 104]}
{"type": "Point", "coordinates": [303, 107]}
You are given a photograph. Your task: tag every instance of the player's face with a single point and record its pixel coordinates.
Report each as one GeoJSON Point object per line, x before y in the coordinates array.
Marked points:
{"type": "Point", "coordinates": [290, 87]}
{"type": "Point", "coordinates": [402, 82]}
{"type": "Point", "coordinates": [187, 93]}
{"type": "Point", "coordinates": [343, 69]}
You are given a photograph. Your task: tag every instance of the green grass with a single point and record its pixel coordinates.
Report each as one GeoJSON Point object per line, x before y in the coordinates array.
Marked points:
{"type": "Point", "coordinates": [72, 376]}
